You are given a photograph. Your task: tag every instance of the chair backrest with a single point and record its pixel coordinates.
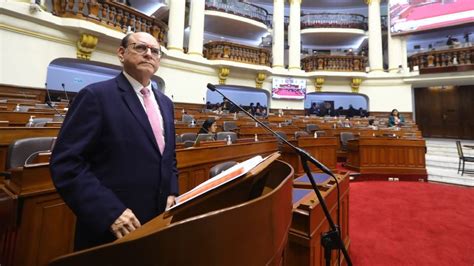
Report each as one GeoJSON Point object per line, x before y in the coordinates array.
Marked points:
{"type": "Point", "coordinates": [58, 118]}
{"type": "Point", "coordinates": [188, 143]}
{"type": "Point", "coordinates": [41, 122]}
{"type": "Point", "coordinates": [187, 118]}
{"type": "Point", "coordinates": [229, 125]}
{"type": "Point", "coordinates": [20, 150]}
{"type": "Point", "coordinates": [283, 135]}
{"type": "Point", "coordinates": [223, 136]}
{"type": "Point", "coordinates": [217, 169]}
{"type": "Point", "coordinates": [301, 134]}
{"type": "Point", "coordinates": [310, 128]}
{"type": "Point", "coordinates": [459, 147]}
{"type": "Point", "coordinates": [204, 136]}
{"type": "Point", "coordinates": [188, 136]}
{"type": "Point", "coordinates": [345, 137]}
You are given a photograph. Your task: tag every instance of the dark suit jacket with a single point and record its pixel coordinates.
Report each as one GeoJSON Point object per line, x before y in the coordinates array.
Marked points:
{"type": "Point", "coordinates": [106, 159]}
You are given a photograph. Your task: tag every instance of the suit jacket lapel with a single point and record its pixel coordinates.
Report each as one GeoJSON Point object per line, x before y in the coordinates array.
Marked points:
{"type": "Point", "coordinates": [133, 103]}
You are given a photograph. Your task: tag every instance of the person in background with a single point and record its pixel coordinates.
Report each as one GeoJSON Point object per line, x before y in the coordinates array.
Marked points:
{"type": "Point", "coordinates": [258, 109]}
{"type": "Point", "coordinates": [114, 162]}
{"type": "Point", "coordinates": [251, 109]}
{"type": "Point", "coordinates": [315, 109]}
{"type": "Point", "coordinates": [362, 112]}
{"type": "Point", "coordinates": [395, 119]}
{"type": "Point", "coordinates": [208, 127]}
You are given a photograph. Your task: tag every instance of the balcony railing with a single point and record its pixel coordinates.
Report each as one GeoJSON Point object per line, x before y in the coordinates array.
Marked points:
{"type": "Point", "coordinates": [240, 9]}
{"type": "Point", "coordinates": [221, 50]}
{"type": "Point", "coordinates": [111, 14]}
{"type": "Point", "coordinates": [346, 63]}
{"type": "Point", "coordinates": [446, 60]}
{"type": "Point", "coordinates": [333, 20]}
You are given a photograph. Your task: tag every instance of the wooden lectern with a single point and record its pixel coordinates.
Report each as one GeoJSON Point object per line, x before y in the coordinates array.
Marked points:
{"type": "Point", "coordinates": [244, 222]}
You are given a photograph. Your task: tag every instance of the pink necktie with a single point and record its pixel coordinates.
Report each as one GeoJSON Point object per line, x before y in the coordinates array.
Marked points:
{"type": "Point", "coordinates": [154, 117]}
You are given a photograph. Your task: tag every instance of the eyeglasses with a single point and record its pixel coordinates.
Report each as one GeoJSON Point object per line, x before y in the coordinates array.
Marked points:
{"type": "Point", "coordinates": [143, 48]}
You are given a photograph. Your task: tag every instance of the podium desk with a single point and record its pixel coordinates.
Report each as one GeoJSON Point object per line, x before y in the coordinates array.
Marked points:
{"type": "Point", "coordinates": [322, 148]}
{"type": "Point", "coordinates": [245, 222]}
{"type": "Point", "coordinates": [309, 222]}
{"type": "Point", "coordinates": [381, 157]}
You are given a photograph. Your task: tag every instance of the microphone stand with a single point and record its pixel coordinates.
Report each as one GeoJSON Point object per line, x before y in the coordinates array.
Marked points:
{"type": "Point", "coordinates": [331, 239]}
{"type": "Point", "coordinates": [65, 93]}
{"type": "Point", "coordinates": [48, 101]}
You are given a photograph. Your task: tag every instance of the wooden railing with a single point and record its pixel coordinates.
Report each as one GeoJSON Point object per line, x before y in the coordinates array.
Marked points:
{"type": "Point", "coordinates": [447, 60]}
{"type": "Point", "coordinates": [334, 63]}
{"type": "Point", "coordinates": [111, 14]}
{"type": "Point", "coordinates": [221, 50]}
{"type": "Point", "coordinates": [334, 20]}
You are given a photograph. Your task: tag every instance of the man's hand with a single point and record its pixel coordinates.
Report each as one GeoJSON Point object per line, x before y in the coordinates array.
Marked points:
{"type": "Point", "coordinates": [170, 201]}
{"type": "Point", "coordinates": [126, 223]}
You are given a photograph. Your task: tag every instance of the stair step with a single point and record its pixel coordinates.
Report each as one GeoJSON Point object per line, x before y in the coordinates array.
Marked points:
{"type": "Point", "coordinates": [442, 162]}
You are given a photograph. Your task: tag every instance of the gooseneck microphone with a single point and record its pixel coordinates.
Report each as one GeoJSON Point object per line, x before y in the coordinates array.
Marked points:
{"type": "Point", "coordinates": [48, 101]}
{"type": "Point", "coordinates": [332, 239]}
{"type": "Point", "coordinates": [65, 93]}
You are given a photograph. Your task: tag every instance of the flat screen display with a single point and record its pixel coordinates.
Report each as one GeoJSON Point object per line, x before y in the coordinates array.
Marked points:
{"type": "Point", "coordinates": [289, 88]}
{"type": "Point", "coordinates": [408, 16]}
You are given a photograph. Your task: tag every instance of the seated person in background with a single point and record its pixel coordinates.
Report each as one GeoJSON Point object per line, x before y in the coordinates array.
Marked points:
{"type": "Point", "coordinates": [251, 109]}
{"type": "Point", "coordinates": [340, 111]}
{"type": "Point", "coordinates": [208, 127]}
{"type": "Point", "coordinates": [395, 119]}
{"type": "Point", "coordinates": [225, 105]}
{"type": "Point", "coordinates": [328, 109]}
{"type": "Point", "coordinates": [315, 109]}
{"type": "Point", "coordinates": [351, 112]}
{"type": "Point", "coordinates": [258, 109]}
{"type": "Point", "coordinates": [362, 112]}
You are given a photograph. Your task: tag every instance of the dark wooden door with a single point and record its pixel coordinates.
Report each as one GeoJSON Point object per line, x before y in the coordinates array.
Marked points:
{"type": "Point", "coordinates": [446, 112]}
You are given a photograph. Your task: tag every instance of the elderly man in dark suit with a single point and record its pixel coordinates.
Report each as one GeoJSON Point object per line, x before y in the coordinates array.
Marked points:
{"type": "Point", "coordinates": [114, 162]}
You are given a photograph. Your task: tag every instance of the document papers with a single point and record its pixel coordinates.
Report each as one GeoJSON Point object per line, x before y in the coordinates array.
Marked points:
{"type": "Point", "coordinates": [219, 180]}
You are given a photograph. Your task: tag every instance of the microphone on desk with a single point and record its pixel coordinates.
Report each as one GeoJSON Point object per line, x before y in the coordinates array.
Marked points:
{"type": "Point", "coordinates": [332, 239]}
{"type": "Point", "coordinates": [65, 93]}
{"type": "Point", "coordinates": [48, 101]}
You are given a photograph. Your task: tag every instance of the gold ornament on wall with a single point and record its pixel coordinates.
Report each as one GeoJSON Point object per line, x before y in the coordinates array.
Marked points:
{"type": "Point", "coordinates": [318, 83]}
{"type": "Point", "coordinates": [368, 2]}
{"type": "Point", "coordinates": [259, 80]}
{"type": "Point", "coordinates": [355, 84]}
{"type": "Point", "coordinates": [223, 74]}
{"type": "Point", "coordinates": [86, 45]}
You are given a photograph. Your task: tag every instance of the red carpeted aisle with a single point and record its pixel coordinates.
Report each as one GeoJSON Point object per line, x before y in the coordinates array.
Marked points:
{"type": "Point", "coordinates": [411, 223]}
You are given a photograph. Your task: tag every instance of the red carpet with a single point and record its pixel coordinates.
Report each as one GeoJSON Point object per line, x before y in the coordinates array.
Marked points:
{"type": "Point", "coordinates": [411, 223]}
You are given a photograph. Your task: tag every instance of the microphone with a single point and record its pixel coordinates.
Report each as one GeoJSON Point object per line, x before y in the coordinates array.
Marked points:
{"type": "Point", "coordinates": [331, 239]}
{"type": "Point", "coordinates": [48, 101]}
{"type": "Point", "coordinates": [65, 93]}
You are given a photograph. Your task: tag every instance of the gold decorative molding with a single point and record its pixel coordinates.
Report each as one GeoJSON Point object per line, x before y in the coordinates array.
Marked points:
{"type": "Point", "coordinates": [318, 83]}
{"type": "Point", "coordinates": [368, 2]}
{"type": "Point", "coordinates": [223, 74]}
{"type": "Point", "coordinates": [355, 84]}
{"type": "Point", "coordinates": [86, 45]}
{"type": "Point", "coordinates": [259, 80]}
{"type": "Point", "coordinates": [295, 2]}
